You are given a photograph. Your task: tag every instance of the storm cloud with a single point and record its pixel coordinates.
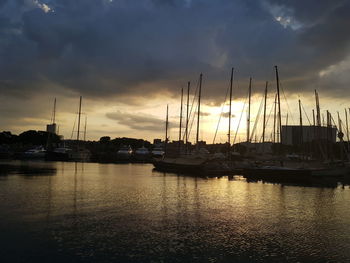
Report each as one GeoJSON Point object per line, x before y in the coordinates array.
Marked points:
{"type": "Point", "coordinates": [138, 121]}
{"type": "Point", "coordinates": [104, 48]}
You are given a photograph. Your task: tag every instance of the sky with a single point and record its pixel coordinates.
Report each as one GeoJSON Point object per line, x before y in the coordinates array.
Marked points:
{"type": "Point", "coordinates": [128, 59]}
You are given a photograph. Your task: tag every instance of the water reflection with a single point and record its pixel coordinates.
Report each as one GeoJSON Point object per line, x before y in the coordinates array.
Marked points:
{"type": "Point", "coordinates": [27, 168]}
{"type": "Point", "coordinates": [129, 213]}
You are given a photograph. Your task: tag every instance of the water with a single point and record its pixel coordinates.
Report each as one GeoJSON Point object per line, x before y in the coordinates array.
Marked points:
{"type": "Point", "coordinates": [67, 212]}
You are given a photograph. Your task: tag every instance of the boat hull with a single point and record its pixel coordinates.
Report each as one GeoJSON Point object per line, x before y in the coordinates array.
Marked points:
{"type": "Point", "coordinates": [201, 169]}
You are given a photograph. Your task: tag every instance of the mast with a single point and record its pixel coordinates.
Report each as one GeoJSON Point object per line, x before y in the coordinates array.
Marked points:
{"type": "Point", "coordinates": [79, 115]}
{"type": "Point", "coordinates": [301, 122]}
{"type": "Point", "coordinates": [187, 111]}
{"type": "Point", "coordinates": [347, 126]}
{"type": "Point", "coordinates": [264, 120]}
{"type": "Point", "coordinates": [199, 108]}
{"type": "Point", "coordinates": [279, 103]}
{"type": "Point", "coordinates": [230, 110]}
{"type": "Point", "coordinates": [274, 119]}
{"type": "Point", "coordinates": [328, 134]}
{"type": "Point", "coordinates": [166, 128]}
{"type": "Point", "coordinates": [313, 116]}
{"type": "Point", "coordinates": [180, 128]}
{"type": "Point", "coordinates": [249, 102]}
{"type": "Point", "coordinates": [318, 112]}
{"type": "Point", "coordinates": [287, 120]}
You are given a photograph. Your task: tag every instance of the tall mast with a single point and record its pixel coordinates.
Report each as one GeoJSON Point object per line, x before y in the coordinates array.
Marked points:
{"type": "Point", "coordinates": [329, 125]}
{"type": "Point", "coordinates": [318, 112]}
{"type": "Point", "coordinates": [230, 110]}
{"type": "Point", "coordinates": [79, 114]}
{"type": "Point", "coordinates": [313, 116]}
{"type": "Point", "coordinates": [199, 107]}
{"type": "Point", "coordinates": [180, 128]}
{"type": "Point", "coordinates": [264, 120]}
{"type": "Point", "coordinates": [54, 112]}
{"type": "Point", "coordinates": [274, 119]}
{"type": "Point", "coordinates": [279, 103]}
{"type": "Point", "coordinates": [248, 117]}
{"type": "Point", "coordinates": [85, 128]}
{"type": "Point", "coordinates": [347, 125]}
{"type": "Point", "coordinates": [166, 128]}
{"type": "Point", "coordinates": [301, 123]}
{"type": "Point", "coordinates": [187, 110]}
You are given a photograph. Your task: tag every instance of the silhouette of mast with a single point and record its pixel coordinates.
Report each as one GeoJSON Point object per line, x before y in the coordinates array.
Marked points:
{"type": "Point", "coordinates": [166, 128]}
{"type": "Point", "coordinates": [279, 103]}
{"type": "Point", "coordinates": [347, 127]}
{"type": "Point", "coordinates": [274, 118]}
{"type": "Point", "coordinates": [264, 120]}
{"type": "Point", "coordinates": [230, 111]}
{"type": "Point", "coordinates": [180, 128]}
{"type": "Point", "coordinates": [318, 112]}
{"type": "Point", "coordinates": [248, 117]}
{"type": "Point", "coordinates": [301, 123]}
{"type": "Point", "coordinates": [199, 108]}
{"type": "Point", "coordinates": [187, 111]}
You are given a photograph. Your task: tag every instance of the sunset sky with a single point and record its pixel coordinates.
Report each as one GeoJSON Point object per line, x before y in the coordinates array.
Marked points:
{"type": "Point", "coordinates": [130, 58]}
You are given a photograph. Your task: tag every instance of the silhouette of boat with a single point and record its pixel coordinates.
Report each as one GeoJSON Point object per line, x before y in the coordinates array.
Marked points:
{"type": "Point", "coordinates": [38, 152]}
{"type": "Point", "coordinates": [60, 154]}
{"type": "Point", "coordinates": [157, 152]}
{"type": "Point", "coordinates": [205, 165]}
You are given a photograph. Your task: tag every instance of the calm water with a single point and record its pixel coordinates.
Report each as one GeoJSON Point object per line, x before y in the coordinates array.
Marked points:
{"type": "Point", "coordinates": [128, 213]}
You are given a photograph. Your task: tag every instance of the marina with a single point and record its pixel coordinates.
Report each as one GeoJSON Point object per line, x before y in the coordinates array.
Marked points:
{"type": "Point", "coordinates": [174, 131]}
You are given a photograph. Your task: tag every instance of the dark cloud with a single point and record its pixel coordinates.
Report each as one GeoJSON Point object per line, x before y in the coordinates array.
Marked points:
{"type": "Point", "coordinates": [139, 121]}
{"type": "Point", "coordinates": [103, 48]}
{"type": "Point", "coordinates": [205, 114]}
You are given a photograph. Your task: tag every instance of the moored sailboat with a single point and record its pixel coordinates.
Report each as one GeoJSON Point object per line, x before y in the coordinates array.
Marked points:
{"type": "Point", "coordinates": [199, 162]}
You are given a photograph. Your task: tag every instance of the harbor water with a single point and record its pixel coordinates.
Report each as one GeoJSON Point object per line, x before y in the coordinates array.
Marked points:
{"type": "Point", "coordinates": [88, 212]}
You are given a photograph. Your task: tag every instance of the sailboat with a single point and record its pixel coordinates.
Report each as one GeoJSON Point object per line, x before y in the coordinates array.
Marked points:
{"type": "Point", "coordinates": [80, 153]}
{"type": "Point", "coordinates": [295, 170]}
{"type": "Point", "coordinates": [199, 162]}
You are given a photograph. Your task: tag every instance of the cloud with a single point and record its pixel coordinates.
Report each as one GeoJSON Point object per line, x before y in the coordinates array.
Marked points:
{"type": "Point", "coordinates": [104, 49]}
{"type": "Point", "coordinates": [139, 121]}
{"type": "Point", "coordinates": [227, 115]}
{"type": "Point", "coordinates": [204, 114]}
